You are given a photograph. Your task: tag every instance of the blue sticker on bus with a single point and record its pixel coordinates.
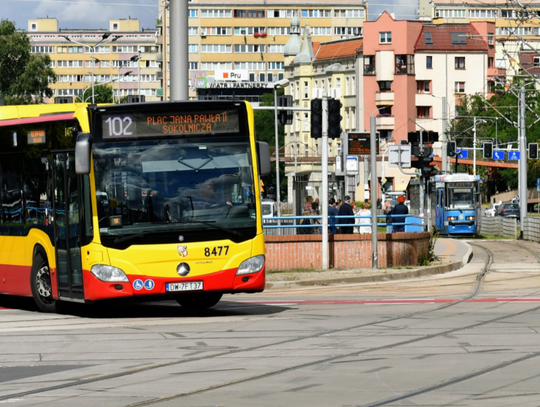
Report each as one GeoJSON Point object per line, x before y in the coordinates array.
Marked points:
{"type": "Point", "coordinates": [149, 284]}
{"type": "Point", "coordinates": [138, 284]}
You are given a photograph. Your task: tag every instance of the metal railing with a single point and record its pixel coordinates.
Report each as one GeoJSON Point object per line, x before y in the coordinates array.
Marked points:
{"type": "Point", "coordinates": [295, 225]}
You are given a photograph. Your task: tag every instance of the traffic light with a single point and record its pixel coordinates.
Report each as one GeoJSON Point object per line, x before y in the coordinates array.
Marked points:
{"type": "Point", "coordinates": [316, 118]}
{"type": "Point", "coordinates": [426, 169]}
{"type": "Point", "coordinates": [533, 151]}
{"type": "Point", "coordinates": [488, 150]}
{"type": "Point", "coordinates": [334, 118]}
{"type": "Point", "coordinates": [285, 116]}
{"type": "Point", "coordinates": [451, 149]}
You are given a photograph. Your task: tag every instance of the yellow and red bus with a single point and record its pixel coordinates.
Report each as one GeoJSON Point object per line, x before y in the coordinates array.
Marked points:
{"type": "Point", "coordinates": [148, 200]}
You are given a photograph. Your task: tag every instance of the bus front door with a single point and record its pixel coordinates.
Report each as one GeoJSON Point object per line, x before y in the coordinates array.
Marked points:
{"type": "Point", "coordinates": [67, 242]}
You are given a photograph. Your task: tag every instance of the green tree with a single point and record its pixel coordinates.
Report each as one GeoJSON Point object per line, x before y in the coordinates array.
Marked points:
{"type": "Point", "coordinates": [265, 131]}
{"type": "Point", "coordinates": [102, 94]}
{"type": "Point", "coordinates": [24, 77]}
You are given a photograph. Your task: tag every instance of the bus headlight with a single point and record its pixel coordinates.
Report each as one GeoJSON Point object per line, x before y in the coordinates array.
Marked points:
{"type": "Point", "coordinates": [109, 273]}
{"type": "Point", "coordinates": [251, 265]}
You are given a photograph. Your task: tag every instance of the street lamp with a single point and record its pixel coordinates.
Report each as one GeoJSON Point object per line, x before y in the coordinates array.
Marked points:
{"type": "Point", "coordinates": [283, 83]}
{"type": "Point", "coordinates": [104, 37]}
{"type": "Point", "coordinates": [137, 58]}
{"type": "Point", "coordinates": [124, 74]}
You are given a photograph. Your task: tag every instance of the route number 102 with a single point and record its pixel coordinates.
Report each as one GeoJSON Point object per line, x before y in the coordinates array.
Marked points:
{"type": "Point", "coordinates": [119, 126]}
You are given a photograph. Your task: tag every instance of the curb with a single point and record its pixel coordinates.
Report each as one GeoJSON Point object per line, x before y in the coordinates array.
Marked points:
{"type": "Point", "coordinates": [371, 278]}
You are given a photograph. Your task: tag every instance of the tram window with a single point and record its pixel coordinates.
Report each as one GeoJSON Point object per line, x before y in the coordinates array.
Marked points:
{"type": "Point", "coordinates": [460, 197]}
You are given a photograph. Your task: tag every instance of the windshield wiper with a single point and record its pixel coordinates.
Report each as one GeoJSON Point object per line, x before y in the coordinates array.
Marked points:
{"type": "Point", "coordinates": [119, 240]}
{"type": "Point", "coordinates": [212, 223]}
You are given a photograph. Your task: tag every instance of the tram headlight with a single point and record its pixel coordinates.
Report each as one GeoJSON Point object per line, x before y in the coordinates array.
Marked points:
{"type": "Point", "coordinates": [109, 273]}
{"type": "Point", "coordinates": [470, 217]}
{"type": "Point", "coordinates": [452, 218]}
{"type": "Point", "coordinates": [251, 265]}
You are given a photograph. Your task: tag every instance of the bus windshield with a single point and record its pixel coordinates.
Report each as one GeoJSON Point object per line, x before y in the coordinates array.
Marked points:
{"type": "Point", "coordinates": [148, 190]}
{"type": "Point", "coordinates": [460, 198]}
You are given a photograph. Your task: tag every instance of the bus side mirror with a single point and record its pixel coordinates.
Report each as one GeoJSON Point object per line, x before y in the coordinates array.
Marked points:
{"type": "Point", "coordinates": [263, 157]}
{"type": "Point", "coordinates": [83, 150]}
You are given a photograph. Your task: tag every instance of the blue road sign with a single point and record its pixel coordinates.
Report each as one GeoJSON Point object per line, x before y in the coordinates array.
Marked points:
{"type": "Point", "coordinates": [463, 154]}
{"type": "Point", "coordinates": [513, 155]}
{"type": "Point", "coordinates": [537, 184]}
{"type": "Point", "coordinates": [498, 154]}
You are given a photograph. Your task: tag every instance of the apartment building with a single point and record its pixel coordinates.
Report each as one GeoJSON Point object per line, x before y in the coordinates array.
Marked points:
{"type": "Point", "coordinates": [245, 40]}
{"type": "Point", "coordinates": [122, 56]}
{"type": "Point", "coordinates": [408, 75]}
{"type": "Point", "coordinates": [517, 25]}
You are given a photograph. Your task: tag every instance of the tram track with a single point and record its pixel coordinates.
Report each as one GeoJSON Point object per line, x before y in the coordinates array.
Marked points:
{"type": "Point", "coordinates": [473, 293]}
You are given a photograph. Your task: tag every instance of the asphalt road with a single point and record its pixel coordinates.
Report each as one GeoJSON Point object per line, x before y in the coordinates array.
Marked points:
{"type": "Point", "coordinates": [466, 338]}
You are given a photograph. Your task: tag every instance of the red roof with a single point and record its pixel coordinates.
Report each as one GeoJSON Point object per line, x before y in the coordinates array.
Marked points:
{"type": "Point", "coordinates": [450, 37]}
{"type": "Point", "coordinates": [338, 49]}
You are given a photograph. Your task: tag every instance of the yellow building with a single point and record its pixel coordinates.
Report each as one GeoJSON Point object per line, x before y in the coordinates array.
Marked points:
{"type": "Point", "coordinates": [245, 40]}
{"type": "Point", "coordinates": [122, 56]}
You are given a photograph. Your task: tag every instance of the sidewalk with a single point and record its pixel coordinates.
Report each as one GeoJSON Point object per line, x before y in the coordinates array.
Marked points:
{"type": "Point", "coordinates": [452, 255]}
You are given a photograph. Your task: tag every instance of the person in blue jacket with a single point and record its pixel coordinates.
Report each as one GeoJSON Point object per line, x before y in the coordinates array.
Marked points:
{"type": "Point", "coordinates": [398, 222]}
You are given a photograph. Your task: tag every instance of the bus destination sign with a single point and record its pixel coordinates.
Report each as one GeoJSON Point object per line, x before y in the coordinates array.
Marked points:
{"type": "Point", "coordinates": [162, 123]}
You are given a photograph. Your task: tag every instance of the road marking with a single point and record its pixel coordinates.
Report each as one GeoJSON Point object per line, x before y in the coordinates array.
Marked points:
{"type": "Point", "coordinates": [390, 302]}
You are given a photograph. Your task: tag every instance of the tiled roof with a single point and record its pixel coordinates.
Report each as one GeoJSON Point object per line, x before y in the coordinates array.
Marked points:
{"type": "Point", "coordinates": [338, 49]}
{"type": "Point", "coordinates": [450, 37]}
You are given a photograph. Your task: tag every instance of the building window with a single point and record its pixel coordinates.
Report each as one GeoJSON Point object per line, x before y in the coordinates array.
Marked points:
{"type": "Point", "coordinates": [459, 87]}
{"type": "Point", "coordinates": [423, 112]}
{"type": "Point", "coordinates": [385, 37]}
{"type": "Point", "coordinates": [459, 63]}
{"type": "Point", "coordinates": [369, 65]}
{"type": "Point", "coordinates": [490, 62]}
{"type": "Point", "coordinates": [423, 86]}
{"type": "Point", "coordinates": [429, 62]}
{"type": "Point", "coordinates": [34, 27]}
{"type": "Point", "coordinates": [385, 86]}
{"type": "Point", "coordinates": [404, 64]}
{"type": "Point", "coordinates": [536, 62]}
{"type": "Point", "coordinates": [115, 26]}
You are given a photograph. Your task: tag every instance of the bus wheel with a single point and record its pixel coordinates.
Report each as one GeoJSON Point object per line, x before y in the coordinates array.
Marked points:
{"type": "Point", "coordinates": [199, 301]}
{"type": "Point", "coordinates": [41, 285]}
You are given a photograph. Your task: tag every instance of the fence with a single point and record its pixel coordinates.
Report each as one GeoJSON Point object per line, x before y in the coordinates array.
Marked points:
{"type": "Point", "coordinates": [305, 225]}
{"type": "Point", "coordinates": [499, 226]}
{"type": "Point", "coordinates": [531, 229]}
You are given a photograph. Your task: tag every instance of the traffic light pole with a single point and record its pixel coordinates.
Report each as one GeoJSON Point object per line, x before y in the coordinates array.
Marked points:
{"type": "Point", "coordinates": [324, 203]}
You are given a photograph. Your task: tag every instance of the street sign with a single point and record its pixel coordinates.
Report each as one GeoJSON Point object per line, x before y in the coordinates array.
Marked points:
{"type": "Point", "coordinates": [498, 154]}
{"type": "Point", "coordinates": [463, 154]}
{"type": "Point", "coordinates": [360, 143]}
{"type": "Point", "coordinates": [352, 165]}
{"type": "Point", "coordinates": [513, 155]}
{"type": "Point", "coordinates": [399, 153]}
{"type": "Point", "coordinates": [537, 184]}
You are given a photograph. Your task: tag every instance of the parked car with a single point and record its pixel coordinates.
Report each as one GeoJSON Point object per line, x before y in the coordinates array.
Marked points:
{"type": "Point", "coordinates": [492, 210]}
{"type": "Point", "coordinates": [509, 210]}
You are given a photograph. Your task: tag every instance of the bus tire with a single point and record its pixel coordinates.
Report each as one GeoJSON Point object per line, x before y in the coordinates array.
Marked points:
{"type": "Point", "coordinates": [40, 281]}
{"type": "Point", "coordinates": [199, 301]}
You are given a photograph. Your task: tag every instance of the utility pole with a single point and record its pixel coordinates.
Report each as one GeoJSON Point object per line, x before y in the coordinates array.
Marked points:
{"type": "Point", "coordinates": [179, 57]}
{"type": "Point", "coordinates": [522, 163]}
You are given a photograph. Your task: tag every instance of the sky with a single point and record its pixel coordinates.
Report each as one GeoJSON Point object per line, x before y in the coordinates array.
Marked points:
{"type": "Point", "coordinates": [97, 13]}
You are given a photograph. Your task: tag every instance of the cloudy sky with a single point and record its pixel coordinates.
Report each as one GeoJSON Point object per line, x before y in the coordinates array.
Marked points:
{"type": "Point", "coordinates": [97, 13]}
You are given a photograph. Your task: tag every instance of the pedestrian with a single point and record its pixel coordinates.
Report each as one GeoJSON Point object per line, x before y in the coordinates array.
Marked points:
{"type": "Point", "coordinates": [398, 222]}
{"type": "Point", "coordinates": [332, 213]}
{"type": "Point", "coordinates": [365, 218]}
{"type": "Point", "coordinates": [304, 230]}
{"type": "Point", "coordinates": [316, 212]}
{"type": "Point", "coordinates": [346, 210]}
{"type": "Point", "coordinates": [308, 205]}
{"type": "Point", "coordinates": [388, 211]}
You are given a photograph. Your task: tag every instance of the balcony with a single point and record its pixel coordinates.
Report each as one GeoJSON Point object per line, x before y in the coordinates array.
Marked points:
{"type": "Point", "coordinates": [384, 98]}
{"type": "Point", "coordinates": [425, 99]}
{"type": "Point", "coordinates": [385, 122]}
{"type": "Point", "coordinates": [159, 22]}
{"type": "Point", "coordinates": [159, 57]}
